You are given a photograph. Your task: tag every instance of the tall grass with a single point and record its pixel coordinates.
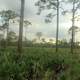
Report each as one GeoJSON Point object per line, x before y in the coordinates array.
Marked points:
{"type": "Point", "coordinates": [39, 64]}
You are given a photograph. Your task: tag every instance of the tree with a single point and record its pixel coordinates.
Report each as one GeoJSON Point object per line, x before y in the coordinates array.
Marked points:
{"type": "Point", "coordinates": [26, 24]}
{"type": "Point", "coordinates": [12, 36]}
{"type": "Point", "coordinates": [34, 40]}
{"type": "Point", "coordinates": [39, 35]}
{"type": "Point", "coordinates": [1, 37]}
{"type": "Point", "coordinates": [51, 40]}
{"type": "Point", "coordinates": [64, 43]}
{"type": "Point", "coordinates": [76, 6]}
{"type": "Point", "coordinates": [3, 27]}
{"type": "Point", "coordinates": [76, 29]}
{"type": "Point", "coordinates": [6, 16]}
{"type": "Point", "coordinates": [50, 5]}
{"type": "Point", "coordinates": [73, 24]}
{"type": "Point", "coordinates": [21, 26]}
{"type": "Point", "coordinates": [57, 30]}
{"type": "Point", "coordinates": [43, 40]}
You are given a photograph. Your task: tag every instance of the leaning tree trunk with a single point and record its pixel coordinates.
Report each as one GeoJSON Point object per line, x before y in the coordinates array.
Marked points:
{"type": "Point", "coordinates": [21, 27]}
{"type": "Point", "coordinates": [57, 30]}
{"type": "Point", "coordinates": [73, 22]}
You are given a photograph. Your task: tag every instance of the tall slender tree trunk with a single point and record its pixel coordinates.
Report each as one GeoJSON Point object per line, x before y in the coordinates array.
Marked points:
{"type": "Point", "coordinates": [21, 27]}
{"type": "Point", "coordinates": [0, 43]}
{"type": "Point", "coordinates": [4, 42]}
{"type": "Point", "coordinates": [73, 25]}
{"type": "Point", "coordinates": [25, 34]}
{"type": "Point", "coordinates": [57, 29]}
{"type": "Point", "coordinates": [7, 33]}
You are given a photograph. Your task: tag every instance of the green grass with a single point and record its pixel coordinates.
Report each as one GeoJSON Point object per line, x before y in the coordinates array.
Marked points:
{"type": "Point", "coordinates": [39, 64]}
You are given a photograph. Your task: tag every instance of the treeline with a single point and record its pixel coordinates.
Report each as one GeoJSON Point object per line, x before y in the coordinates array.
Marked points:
{"type": "Point", "coordinates": [58, 9]}
{"type": "Point", "coordinates": [29, 43]}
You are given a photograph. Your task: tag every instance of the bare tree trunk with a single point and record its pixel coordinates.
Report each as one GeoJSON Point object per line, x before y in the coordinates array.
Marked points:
{"type": "Point", "coordinates": [21, 27]}
{"type": "Point", "coordinates": [73, 32]}
{"type": "Point", "coordinates": [0, 43]}
{"type": "Point", "coordinates": [57, 30]}
{"type": "Point", "coordinates": [25, 34]}
{"type": "Point", "coordinates": [7, 33]}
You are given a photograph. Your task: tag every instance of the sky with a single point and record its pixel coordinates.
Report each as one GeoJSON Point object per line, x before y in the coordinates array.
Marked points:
{"type": "Point", "coordinates": [38, 24]}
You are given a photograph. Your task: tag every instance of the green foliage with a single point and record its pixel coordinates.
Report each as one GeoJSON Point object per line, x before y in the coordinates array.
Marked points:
{"type": "Point", "coordinates": [76, 29]}
{"type": "Point", "coordinates": [39, 64]}
{"type": "Point", "coordinates": [8, 14]}
{"type": "Point", "coordinates": [12, 37]}
{"type": "Point", "coordinates": [39, 35]}
{"type": "Point", "coordinates": [47, 5]}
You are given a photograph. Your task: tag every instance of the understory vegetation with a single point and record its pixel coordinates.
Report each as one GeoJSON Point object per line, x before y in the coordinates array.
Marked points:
{"type": "Point", "coordinates": [39, 64]}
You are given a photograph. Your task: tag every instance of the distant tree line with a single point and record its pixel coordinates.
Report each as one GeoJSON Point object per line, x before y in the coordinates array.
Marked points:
{"type": "Point", "coordinates": [54, 5]}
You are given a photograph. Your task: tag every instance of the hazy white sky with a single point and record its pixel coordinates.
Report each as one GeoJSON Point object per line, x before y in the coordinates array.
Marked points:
{"type": "Point", "coordinates": [38, 24]}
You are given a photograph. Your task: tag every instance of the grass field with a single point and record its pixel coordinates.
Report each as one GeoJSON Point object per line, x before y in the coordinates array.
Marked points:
{"type": "Point", "coordinates": [39, 64]}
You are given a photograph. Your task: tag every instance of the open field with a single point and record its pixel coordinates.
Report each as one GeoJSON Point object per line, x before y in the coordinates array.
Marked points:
{"type": "Point", "coordinates": [39, 64]}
